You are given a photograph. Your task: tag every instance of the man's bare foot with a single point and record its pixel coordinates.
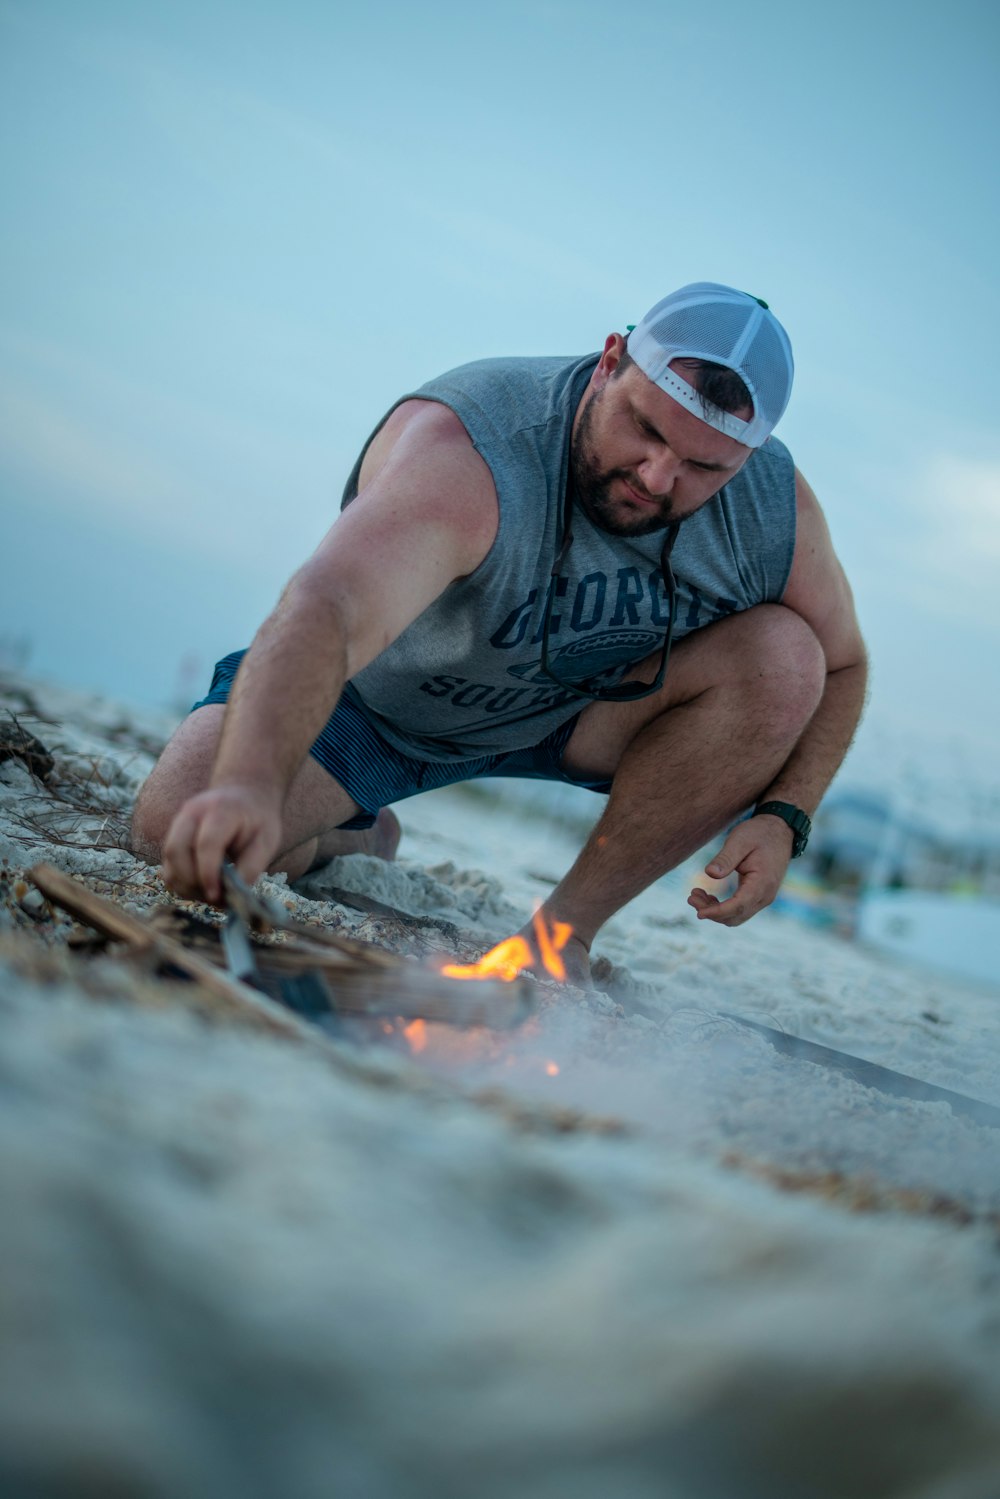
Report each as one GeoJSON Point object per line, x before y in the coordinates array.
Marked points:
{"type": "Point", "coordinates": [576, 958]}
{"type": "Point", "coordinates": [385, 835]}
{"type": "Point", "coordinates": [381, 840]}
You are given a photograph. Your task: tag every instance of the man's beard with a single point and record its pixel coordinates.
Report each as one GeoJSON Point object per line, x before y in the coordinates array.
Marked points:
{"type": "Point", "coordinates": [593, 486]}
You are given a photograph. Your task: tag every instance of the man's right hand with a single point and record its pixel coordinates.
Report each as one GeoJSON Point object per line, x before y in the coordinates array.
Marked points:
{"type": "Point", "coordinates": [237, 823]}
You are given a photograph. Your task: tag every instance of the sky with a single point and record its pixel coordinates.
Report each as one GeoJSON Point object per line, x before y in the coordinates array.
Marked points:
{"type": "Point", "coordinates": [234, 233]}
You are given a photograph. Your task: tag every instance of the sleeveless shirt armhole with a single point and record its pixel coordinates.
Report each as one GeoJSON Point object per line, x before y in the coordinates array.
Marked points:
{"type": "Point", "coordinates": [351, 486]}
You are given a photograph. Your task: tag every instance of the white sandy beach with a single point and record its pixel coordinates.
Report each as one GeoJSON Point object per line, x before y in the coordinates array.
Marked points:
{"type": "Point", "coordinates": [625, 1252]}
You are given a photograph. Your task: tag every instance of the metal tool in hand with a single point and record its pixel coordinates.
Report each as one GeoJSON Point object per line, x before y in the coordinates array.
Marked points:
{"type": "Point", "coordinates": [235, 933]}
{"type": "Point", "coordinates": [305, 993]}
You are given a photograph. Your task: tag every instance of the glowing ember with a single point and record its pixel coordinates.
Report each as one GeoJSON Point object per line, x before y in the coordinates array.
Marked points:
{"type": "Point", "coordinates": [416, 1034]}
{"type": "Point", "coordinates": [506, 960]}
{"type": "Point", "coordinates": [552, 1069]}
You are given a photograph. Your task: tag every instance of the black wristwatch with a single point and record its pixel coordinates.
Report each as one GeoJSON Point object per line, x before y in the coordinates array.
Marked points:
{"type": "Point", "coordinates": [797, 820]}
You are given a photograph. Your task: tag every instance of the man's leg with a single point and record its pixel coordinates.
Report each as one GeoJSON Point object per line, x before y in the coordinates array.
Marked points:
{"type": "Point", "coordinates": [314, 809]}
{"type": "Point", "coordinates": [686, 761]}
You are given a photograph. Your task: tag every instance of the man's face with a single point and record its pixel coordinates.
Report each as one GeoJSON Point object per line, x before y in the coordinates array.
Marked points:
{"type": "Point", "coordinates": [639, 459]}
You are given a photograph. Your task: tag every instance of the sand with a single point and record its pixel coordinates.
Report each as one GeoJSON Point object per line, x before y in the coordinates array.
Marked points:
{"type": "Point", "coordinates": [680, 1264]}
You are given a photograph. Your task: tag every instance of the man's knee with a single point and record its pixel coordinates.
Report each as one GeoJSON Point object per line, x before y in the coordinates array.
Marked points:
{"type": "Point", "coordinates": [787, 667]}
{"type": "Point", "coordinates": [181, 772]}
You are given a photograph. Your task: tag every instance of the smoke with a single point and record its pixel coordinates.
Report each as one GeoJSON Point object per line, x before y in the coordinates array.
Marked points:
{"type": "Point", "coordinates": [685, 1076]}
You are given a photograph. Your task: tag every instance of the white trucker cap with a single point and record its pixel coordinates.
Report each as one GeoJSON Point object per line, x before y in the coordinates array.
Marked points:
{"type": "Point", "coordinates": [725, 326]}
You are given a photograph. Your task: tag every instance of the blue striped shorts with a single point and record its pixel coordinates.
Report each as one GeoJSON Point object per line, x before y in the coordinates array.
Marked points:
{"type": "Point", "coordinates": [375, 774]}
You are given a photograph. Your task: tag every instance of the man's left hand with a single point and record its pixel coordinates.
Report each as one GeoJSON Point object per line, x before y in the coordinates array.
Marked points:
{"type": "Point", "coordinates": [757, 852]}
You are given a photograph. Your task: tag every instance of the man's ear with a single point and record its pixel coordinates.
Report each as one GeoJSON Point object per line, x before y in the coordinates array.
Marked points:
{"type": "Point", "coordinates": [614, 348]}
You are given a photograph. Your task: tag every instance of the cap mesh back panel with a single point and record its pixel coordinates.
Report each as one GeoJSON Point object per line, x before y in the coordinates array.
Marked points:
{"type": "Point", "coordinates": [713, 333]}
{"type": "Point", "coordinates": [722, 325]}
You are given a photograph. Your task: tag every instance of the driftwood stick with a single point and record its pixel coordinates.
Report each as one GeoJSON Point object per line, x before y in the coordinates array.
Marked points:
{"type": "Point", "coordinates": [268, 915]}
{"type": "Point", "coordinates": [105, 916]}
{"type": "Point", "coordinates": [412, 992]}
{"type": "Point", "coordinates": [349, 947]}
{"type": "Point", "coordinates": [110, 919]}
{"type": "Point", "coordinates": [246, 1004]}
{"type": "Point", "coordinates": [414, 926]}
{"type": "Point", "coordinates": [293, 952]}
{"type": "Point", "coordinates": [362, 980]}
{"type": "Point", "coordinates": [396, 988]}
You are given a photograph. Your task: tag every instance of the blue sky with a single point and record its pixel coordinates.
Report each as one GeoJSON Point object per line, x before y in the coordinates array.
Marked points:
{"type": "Point", "coordinates": [234, 233]}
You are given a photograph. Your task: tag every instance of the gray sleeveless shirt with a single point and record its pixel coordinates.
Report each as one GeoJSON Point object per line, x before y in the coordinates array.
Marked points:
{"type": "Point", "coordinates": [464, 679]}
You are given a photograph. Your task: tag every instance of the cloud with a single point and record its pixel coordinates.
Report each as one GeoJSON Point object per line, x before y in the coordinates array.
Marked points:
{"type": "Point", "coordinates": [962, 500]}
{"type": "Point", "coordinates": [950, 551]}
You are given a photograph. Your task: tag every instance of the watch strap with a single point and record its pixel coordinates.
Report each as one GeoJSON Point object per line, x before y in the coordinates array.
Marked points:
{"type": "Point", "coordinates": [799, 822]}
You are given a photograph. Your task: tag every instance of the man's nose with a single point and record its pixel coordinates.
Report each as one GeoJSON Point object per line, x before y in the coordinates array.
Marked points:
{"type": "Point", "coordinates": [659, 471]}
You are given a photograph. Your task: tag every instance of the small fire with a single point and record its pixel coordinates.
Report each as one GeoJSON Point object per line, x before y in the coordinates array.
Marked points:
{"type": "Point", "coordinates": [552, 1068]}
{"type": "Point", "coordinates": [506, 960]}
{"type": "Point", "coordinates": [416, 1035]}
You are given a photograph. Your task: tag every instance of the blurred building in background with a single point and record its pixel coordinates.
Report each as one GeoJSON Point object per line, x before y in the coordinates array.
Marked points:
{"type": "Point", "coordinates": [917, 878]}
{"type": "Point", "coordinates": [861, 839]}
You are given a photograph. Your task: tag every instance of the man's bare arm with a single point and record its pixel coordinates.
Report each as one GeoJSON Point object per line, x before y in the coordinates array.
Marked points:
{"type": "Point", "coordinates": [426, 514]}
{"type": "Point", "coordinates": [758, 850]}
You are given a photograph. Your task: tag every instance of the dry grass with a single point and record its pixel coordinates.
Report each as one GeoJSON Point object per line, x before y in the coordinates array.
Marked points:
{"type": "Point", "coordinates": [75, 804]}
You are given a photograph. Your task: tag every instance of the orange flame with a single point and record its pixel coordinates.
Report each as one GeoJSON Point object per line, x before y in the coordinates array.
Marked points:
{"type": "Point", "coordinates": [506, 960]}
{"type": "Point", "coordinates": [416, 1034]}
{"type": "Point", "coordinates": [552, 1068]}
